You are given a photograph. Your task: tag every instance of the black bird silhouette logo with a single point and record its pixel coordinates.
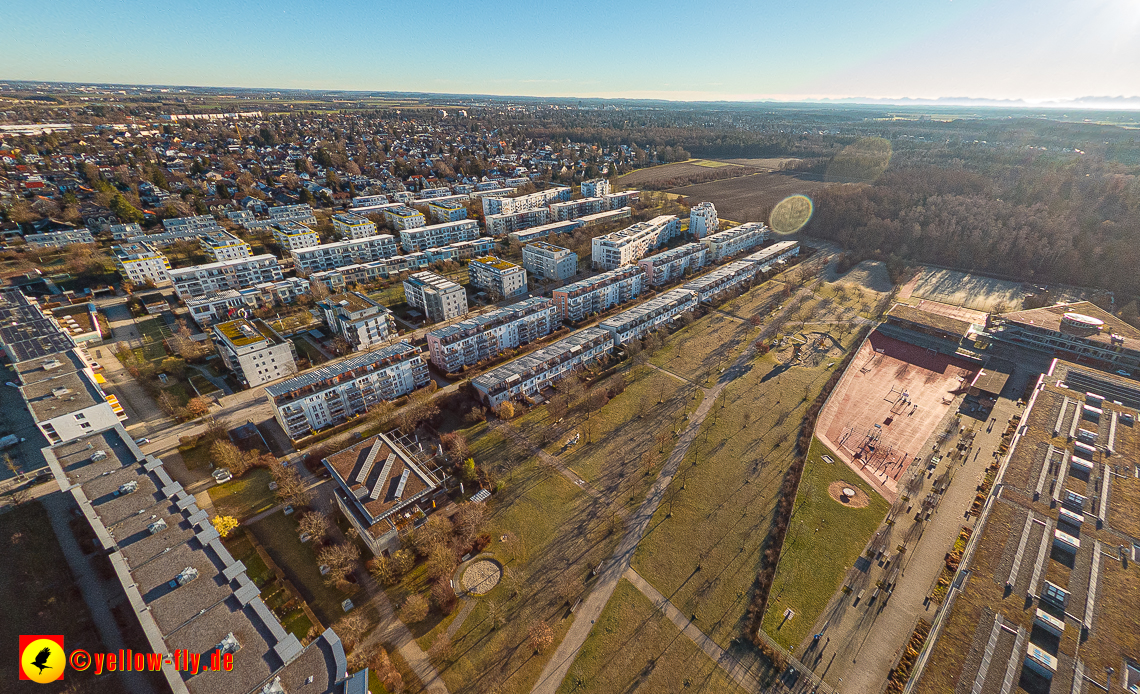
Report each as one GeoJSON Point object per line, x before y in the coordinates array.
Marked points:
{"type": "Point", "coordinates": [41, 659]}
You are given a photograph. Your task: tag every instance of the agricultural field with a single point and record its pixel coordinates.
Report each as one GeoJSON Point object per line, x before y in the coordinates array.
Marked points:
{"type": "Point", "coordinates": [749, 198]}
{"type": "Point", "coordinates": [682, 172]}
{"type": "Point", "coordinates": [769, 163]}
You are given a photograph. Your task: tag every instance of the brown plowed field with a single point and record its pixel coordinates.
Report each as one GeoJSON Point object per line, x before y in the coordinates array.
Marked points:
{"type": "Point", "coordinates": [666, 174]}
{"type": "Point", "coordinates": [749, 198]}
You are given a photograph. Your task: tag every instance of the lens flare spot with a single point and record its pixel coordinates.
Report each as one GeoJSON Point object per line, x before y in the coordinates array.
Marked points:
{"type": "Point", "coordinates": [791, 214]}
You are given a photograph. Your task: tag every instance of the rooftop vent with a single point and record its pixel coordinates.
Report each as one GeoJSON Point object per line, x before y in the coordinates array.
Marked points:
{"type": "Point", "coordinates": [185, 576]}
{"type": "Point", "coordinates": [58, 393]}
{"type": "Point", "coordinates": [128, 487]}
{"type": "Point", "coordinates": [247, 330]}
{"type": "Point", "coordinates": [52, 364]}
{"type": "Point", "coordinates": [156, 527]}
{"type": "Point", "coordinates": [229, 644]}
{"type": "Point", "coordinates": [98, 455]}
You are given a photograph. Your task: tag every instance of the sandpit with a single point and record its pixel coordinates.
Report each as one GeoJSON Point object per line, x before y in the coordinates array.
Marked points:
{"type": "Point", "coordinates": [847, 494]}
{"type": "Point", "coordinates": [481, 577]}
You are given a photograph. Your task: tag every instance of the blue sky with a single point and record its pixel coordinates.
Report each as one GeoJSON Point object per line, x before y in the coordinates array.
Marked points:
{"type": "Point", "coordinates": [1030, 49]}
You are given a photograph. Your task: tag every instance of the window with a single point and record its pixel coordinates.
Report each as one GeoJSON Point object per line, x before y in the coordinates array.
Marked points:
{"type": "Point", "coordinates": [85, 425]}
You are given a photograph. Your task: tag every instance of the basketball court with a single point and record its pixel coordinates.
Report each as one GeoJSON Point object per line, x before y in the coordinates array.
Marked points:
{"type": "Point", "coordinates": [888, 403]}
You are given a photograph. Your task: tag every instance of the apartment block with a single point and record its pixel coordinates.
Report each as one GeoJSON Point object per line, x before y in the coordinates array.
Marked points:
{"type": "Point", "coordinates": [639, 320]}
{"type": "Point", "coordinates": [141, 263]}
{"type": "Point", "coordinates": [358, 319]}
{"type": "Point", "coordinates": [595, 188]}
{"type": "Point", "coordinates": [507, 222]}
{"type": "Point", "coordinates": [353, 226]}
{"type": "Point", "coordinates": [530, 374]}
{"type": "Point", "coordinates": [532, 234]}
{"type": "Point", "coordinates": [632, 243]}
{"type": "Point", "coordinates": [722, 279]}
{"type": "Point", "coordinates": [120, 232]}
{"type": "Point", "coordinates": [703, 220]}
{"type": "Point", "coordinates": [549, 262]}
{"type": "Point", "coordinates": [616, 201]}
{"type": "Point", "coordinates": [294, 236]}
{"type": "Point", "coordinates": [439, 298]}
{"type": "Point", "coordinates": [447, 211]}
{"type": "Point", "coordinates": [522, 203]}
{"type": "Point", "coordinates": [222, 245]}
{"type": "Point", "coordinates": [435, 235]}
{"type": "Point", "coordinates": [329, 256]}
{"type": "Point", "coordinates": [730, 242]}
{"type": "Point", "coordinates": [431, 193]}
{"type": "Point", "coordinates": [254, 351]}
{"type": "Point", "coordinates": [336, 391]}
{"type": "Point", "coordinates": [573, 209]}
{"type": "Point", "coordinates": [500, 278]}
{"type": "Point", "coordinates": [301, 212]}
{"type": "Point", "coordinates": [200, 224]}
{"type": "Point", "coordinates": [669, 266]}
{"type": "Point", "coordinates": [607, 216]}
{"type": "Point", "coordinates": [470, 341]}
{"type": "Point", "coordinates": [59, 239]}
{"type": "Point", "coordinates": [773, 255]}
{"type": "Point", "coordinates": [599, 293]}
{"type": "Point", "coordinates": [404, 217]}
{"type": "Point", "coordinates": [369, 200]}
{"type": "Point", "coordinates": [361, 273]}
{"type": "Point", "coordinates": [229, 304]}
{"type": "Point", "coordinates": [198, 280]}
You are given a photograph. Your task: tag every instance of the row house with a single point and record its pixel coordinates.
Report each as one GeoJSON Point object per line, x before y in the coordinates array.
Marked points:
{"type": "Point", "coordinates": [639, 320]}
{"type": "Point", "coordinates": [722, 279]}
{"type": "Point", "coordinates": [481, 337]}
{"type": "Point", "coordinates": [329, 256]}
{"type": "Point", "coordinates": [528, 375]}
{"type": "Point", "coordinates": [670, 265]}
{"type": "Point", "coordinates": [599, 293]}
{"type": "Point", "coordinates": [198, 280]}
{"type": "Point", "coordinates": [730, 242]}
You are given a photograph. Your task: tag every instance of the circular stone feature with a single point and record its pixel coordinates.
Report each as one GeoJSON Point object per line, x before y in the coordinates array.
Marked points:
{"type": "Point", "coordinates": [481, 577]}
{"type": "Point", "coordinates": [847, 495]}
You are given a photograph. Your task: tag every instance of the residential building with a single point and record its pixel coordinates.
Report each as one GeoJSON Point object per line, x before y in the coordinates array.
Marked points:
{"type": "Point", "coordinates": [616, 201]}
{"type": "Point", "coordinates": [1080, 332]}
{"type": "Point", "coordinates": [361, 321]}
{"type": "Point", "coordinates": [722, 279]}
{"type": "Point", "coordinates": [335, 392]}
{"type": "Point", "coordinates": [329, 256]}
{"type": "Point", "coordinates": [481, 337]}
{"type": "Point", "coordinates": [507, 222]}
{"type": "Point", "coordinates": [383, 490]}
{"type": "Point", "coordinates": [435, 235]}
{"type": "Point", "coordinates": [404, 217]}
{"type": "Point", "coordinates": [59, 239]}
{"type": "Point", "coordinates": [542, 368]}
{"type": "Point", "coordinates": [120, 232]}
{"type": "Point", "coordinates": [169, 238]}
{"type": "Point", "coordinates": [439, 298]}
{"type": "Point", "coordinates": [447, 211]}
{"type": "Point", "coordinates": [631, 324]}
{"type": "Point", "coordinates": [703, 220]}
{"type": "Point", "coordinates": [572, 209]}
{"type": "Point", "coordinates": [430, 193]}
{"type": "Point", "coordinates": [336, 280]}
{"type": "Point", "coordinates": [301, 213]}
{"type": "Point", "coordinates": [198, 280]}
{"type": "Point", "coordinates": [234, 303]}
{"type": "Point", "coordinates": [671, 265]}
{"type": "Point", "coordinates": [254, 351]}
{"type": "Point", "coordinates": [632, 243]}
{"type": "Point", "coordinates": [607, 216]}
{"type": "Point", "coordinates": [369, 200]}
{"type": "Point", "coordinates": [599, 293]}
{"type": "Point", "coordinates": [200, 224]}
{"type": "Point", "coordinates": [353, 226]}
{"type": "Point", "coordinates": [293, 236]}
{"type": "Point", "coordinates": [521, 203]}
{"type": "Point", "coordinates": [141, 263]}
{"type": "Point", "coordinates": [730, 242]}
{"type": "Point", "coordinates": [549, 262]}
{"type": "Point", "coordinates": [595, 188]}
{"type": "Point", "coordinates": [532, 234]}
{"type": "Point", "coordinates": [222, 245]}
{"type": "Point", "coordinates": [499, 278]}
{"type": "Point", "coordinates": [768, 258]}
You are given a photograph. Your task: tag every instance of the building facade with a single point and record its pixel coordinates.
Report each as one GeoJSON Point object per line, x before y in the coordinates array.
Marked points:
{"type": "Point", "coordinates": [599, 293]}
{"type": "Point", "coordinates": [530, 374]}
{"type": "Point", "coordinates": [404, 217]}
{"type": "Point", "coordinates": [639, 320]}
{"type": "Point", "coordinates": [362, 322]}
{"type": "Point", "coordinates": [435, 235]}
{"type": "Point", "coordinates": [353, 226]}
{"type": "Point", "coordinates": [481, 337]}
{"type": "Point", "coordinates": [293, 236]}
{"type": "Point", "coordinates": [629, 245]}
{"type": "Point", "coordinates": [497, 277]}
{"type": "Point", "coordinates": [549, 262]}
{"type": "Point", "coordinates": [595, 188]}
{"type": "Point", "coordinates": [447, 211]}
{"type": "Point", "coordinates": [329, 256]}
{"type": "Point", "coordinates": [141, 263]}
{"type": "Point", "coordinates": [300, 212]}
{"type": "Point", "coordinates": [439, 298]}
{"type": "Point", "coordinates": [198, 280]}
{"type": "Point", "coordinates": [522, 203]}
{"type": "Point", "coordinates": [59, 239]}
{"type": "Point", "coordinates": [768, 258]}
{"type": "Point", "coordinates": [254, 351]}
{"type": "Point", "coordinates": [222, 245]}
{"type": "Point", "coordinates": [508, 222]}
{"type": "Point", "coordinates": [671, 265]}
{"type": "Point", "coordinates": [573, 209]}
{"type": "Point", "coordinates": [730, 242]}
{"type": "Point", "coordinates": [722, 279]}
{"type": "Point", "coordinates": [703, 220]}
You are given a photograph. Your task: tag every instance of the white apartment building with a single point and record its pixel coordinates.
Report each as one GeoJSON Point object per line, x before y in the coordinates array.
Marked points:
{"type": "Point", "coordinates": [470, 341]}
{"type": "Point", "coordinates": [668, 266]}
{"type": "Point", "coordinates": [722, 279]}
{"type": "Point", "coordinates": [435, 235]}
{"type": "Point", "coordinates": [599, 293]}
{"type": "Point", "coordinates": [141, 263]}
{"type": "Point", "coordinates": [639, 320]}
{"type": "Point", "coordinates": [607, 216]}
{"type": "Point", "coordinates": [254, 351]}
{"type": "Point", "coordinates": [499, 278]}
{"type": "Point", "coordinates": [773, 255]}
{"type": "Point", "coordinates": [507, 222]}
{"type": "Point", "coordinates": [300, 212]}
{"type": "Point", "coordinates": [447, 211]}
{"type": "Point", "coordinates": [521, 203]}
{"type": "Point", "coordinates": [198, 280]}
{"type": "Point", "coordinates": [222, 245]}
{"type": "Point", "coordinates": [530, 374]}
{"type": "Point", "coordinates": [229, 304]}
{"type": "Point", "coordinates": [549, 262]}
{"type": "Point", "coordinates": [703, 220]}
{"type": "Point", "coordinates": [336, 280]}
{"type": "Point", "coordinates": [294, 236]}
{"type": "Point", "coordinates": [332, 393]}
{"type": "Point", "coordinates": [201, 224]}
{"type": "Point", "coordinates": [429, 193]}
{"type": "Point", "coordinates": [439, 298]}
{"type": "Point", "coordinates": [120, 232]}
{"type": "Point", "coordinates": [616, 201]}
{"type": "Point", "coordinates": [572, 209]}
{"type": "Point", "coordinates": [632, 243]}
{"type": "Point", "coordinates": [329, 256]}
{"type": "Point", "coordinates": [369, 200]}
{"type": "Point", "coordinates": [730, 242]}
{"type": "Point", "coordinates": [532, 234]}
{"type": "Point", "coordinates": [595, 188]}
{"type": "Point", "coordinates": [404, 217]}
{"type": "Point", "coordinates": [353, 226]}
{"type": "Point", "coordinates": [358, 319]}
{"type": "Point", "coordinates": [59, 239]}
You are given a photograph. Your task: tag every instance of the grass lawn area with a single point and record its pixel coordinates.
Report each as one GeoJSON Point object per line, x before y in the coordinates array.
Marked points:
{"type": "Point", "coordinates": [273, 593]}
{"type": "Point", "coordinates": [203, 386]}
{"type": "Point", "coordinates": [374, 684]}
{"type": "Point", "coordinates": [195, 457]}
{"type": "Point", "coordinates": [244, 496]}
{"type": "Point", "coordinates": [703, 347]}
{"type": "Point", "coordinates": [750, 303]}
{"type": "Point", "coordinates": [309, 351]}
{"type": "Point", "coordinates": [823, 542]}
{"type": "Point", "coordinates": [635, 648]}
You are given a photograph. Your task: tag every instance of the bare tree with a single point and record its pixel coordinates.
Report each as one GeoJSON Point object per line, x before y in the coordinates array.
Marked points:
{"type": "Point", "coordinates": [291, 488]}
{"type": "Point", "coordinates": [414, 609]}
{"type": "Point", "coordinates": [314, 524]}
{"type": "Point", "coordinates": [340, 560]}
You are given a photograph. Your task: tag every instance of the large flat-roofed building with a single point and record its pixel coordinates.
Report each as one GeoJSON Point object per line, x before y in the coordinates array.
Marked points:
{"type": "Point", "coordinates": [632, 243]}
{"type": "Point", "coordinates": [616, 201]}
{"type": "Point", "coordinates": [353, 226]}
{"type": "Point", "coordinates": [1080, 331]}
{"type": "Point", "coordinates": [329, 256]}
{"type": "Point", "coordinates": [542, 231]}
{"type": "Point", "coordinates": [334, 392]}
{"type": "Point", "coordinates": [774, 256]}
{"type": "Point", "coordinates": [572, 209]}
{"type": "Point", "coordinates": [447, 210]}
{"type": "Point", "coordinates": [121, 232]}
{"type": "Point", "coordinates": [600, 292]}
{"type": "Point", "coordinates": [301, 212]}
{"type": "Point", "coordinates": [608, 216]}
{"type": "Point", "coordinates": [639, 320]}
{"type": "Point", "coordinates": [188, 594]}
{"type": "Point", "coordinates": [481, 337]}
{"type": "Point", "coordinates": [722, 279]}
{"type": "Point", "coordinates": [200, 224]}
{"type": "Point", "coordinates": [930, 324]}
{"type": "Point", "coordinates": [549, 262]}
{"type": "Point", "coordinates": [730, 242]}
{"type": "Point", "coordinates": [532, 373]}
{"type": "Point", "coordinates": [368, 200]}
{"type": "Point", "coordinates": [438, 297]}
{"type": "Point", "coordinates": [254, 351]}
{"type": "Point", "coordinates": [595, 188]}
{"type": "Point", "coordinates": [671, 265]}
{"type": "Point", "coordinates": [294, 236]}
{"type": "Point", "coordinates": [497, 277]}
{"type": "Point", "coordinates": [361, 273]}
{"type": "Point", "coordinates": [199, 280]}
{"type": "Point", "coordinates": [703, 220]}
{"type": "Point", "coordinates": [141, 263]}
{"type": "Point", "coordinates": [222, 245]}
{"type": "Point", "coordinates": [359, 320]}
{"type": "Point", "coordinates": [383, 489]}
{"type": "Point", "coordinates": [59, 239]}
{"type": "Point", "coordinates": [508, 222]}
{"type": "Point", "coordinates": [404, 217]}
{"type": "Point", "coordinates": [64, 397]}
{"type": "Point", "coordinates": [529, 201]}
{"type": "Point", "coordinates": [435, 235]}
{"type": "Point", "coordinates": [1045, 595]}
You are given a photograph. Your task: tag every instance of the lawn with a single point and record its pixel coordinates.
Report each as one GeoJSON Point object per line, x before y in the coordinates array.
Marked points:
{"type": "Point", "coordinates": [244, 496]}
{"type": "Point", "coordinates": [635, 648]}
{"type": "Point", "coordinates": [306, 349]}
{"type": "Point", "coordinates": [708, 344]}
{"type": "Point", "coordinates": [195, 457]}
{"type": "Point", "coordinates": [276, 597]}
{"type": "Point", "coordinates": [823, 542]}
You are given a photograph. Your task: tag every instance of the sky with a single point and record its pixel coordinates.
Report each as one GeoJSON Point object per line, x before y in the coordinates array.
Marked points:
{"type": "Point", "coordinates": [1036, 50]}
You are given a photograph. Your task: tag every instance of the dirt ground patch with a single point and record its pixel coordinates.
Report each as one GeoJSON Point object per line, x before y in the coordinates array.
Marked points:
{"type": "Point", "coordinates": [481, 577]}
{"type": "Point", "coordinates": [750, 198]}
{"type": "Point", "coordinates": [666, 172]}
{"type": "Point", "coordinates": [838, 490]}
{"type": "Point", "coordinates": [869, 275]}
{"type": "Point", "coordinates": [963, 289]}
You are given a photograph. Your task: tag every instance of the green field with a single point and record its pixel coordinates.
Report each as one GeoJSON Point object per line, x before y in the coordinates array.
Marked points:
{"type": "Point", "coordinates": [702, 348]}
{"type": "Point", "coordinates": [244, 496]}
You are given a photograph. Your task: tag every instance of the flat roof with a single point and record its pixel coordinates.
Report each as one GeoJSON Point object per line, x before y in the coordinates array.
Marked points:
{"type": "Point", "coordinates": [926, 319]}
{"type": "Point", "coordinates": [59, 395]}
{"type": "Point", "coordinates": [1050, 317]}
{"type": "Point", "coordinates": [993, 376]}
{"type": "Point", "coordinates": [396, 352]}
{"type": "Point", "coordinates": [243, 332]}
{"type": "Point", "coordinates": [381, 476]}
{"type": "Point", "coordinates": [492, 261]}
